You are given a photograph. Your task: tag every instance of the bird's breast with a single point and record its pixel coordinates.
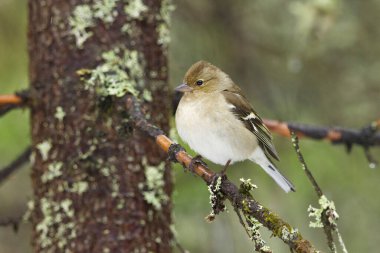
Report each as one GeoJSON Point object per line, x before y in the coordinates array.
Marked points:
{"type": "Point", "coordinates": [211, 129]}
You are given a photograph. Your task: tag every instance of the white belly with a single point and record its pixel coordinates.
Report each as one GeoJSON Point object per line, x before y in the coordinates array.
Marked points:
{"type": "Point", "coordinates": [212, 134]}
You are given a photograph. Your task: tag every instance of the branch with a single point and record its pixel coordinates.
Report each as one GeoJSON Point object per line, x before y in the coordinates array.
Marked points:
{"type": "Point", "coordinates": [13, 101]}
{"type": "Point", "coordinates": [243, 201]}
{"type": "Point", "coordinates": [14, 222]}
{"type": "Point", "coordinates": [15, 165]}
{"type": "Point", "coordinates": [328, 226]}
{"type": "Point", "coordinates": [10, 99]}
{"type": "Point", "coordinates": [365, 137]}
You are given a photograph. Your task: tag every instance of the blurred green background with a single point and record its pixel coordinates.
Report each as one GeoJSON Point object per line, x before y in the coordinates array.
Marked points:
{"type": "Point", "coordinates": [314, 61]}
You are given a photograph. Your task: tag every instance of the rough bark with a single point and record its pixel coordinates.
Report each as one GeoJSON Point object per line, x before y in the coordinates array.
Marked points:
{"type": "Point", "coordinates": [90, 172]}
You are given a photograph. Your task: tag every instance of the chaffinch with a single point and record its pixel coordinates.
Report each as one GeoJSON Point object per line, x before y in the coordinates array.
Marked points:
{"type": "Point", "coordinates": [217, 121]}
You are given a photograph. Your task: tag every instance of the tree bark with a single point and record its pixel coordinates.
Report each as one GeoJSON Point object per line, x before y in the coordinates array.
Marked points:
{"type": "Point", "coordinates": [99, 186]}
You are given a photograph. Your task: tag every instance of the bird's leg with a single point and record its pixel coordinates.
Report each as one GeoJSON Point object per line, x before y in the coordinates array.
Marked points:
{"type": "Point", "coordinates": [225, 167]}
{"type": "Point", "coordinates": [196, 160]}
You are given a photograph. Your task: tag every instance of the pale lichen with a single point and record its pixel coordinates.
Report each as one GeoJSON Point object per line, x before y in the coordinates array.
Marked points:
{"type": "Point", "coordinates": [147, 95]}
{"type": "Point", "coordinates": [253, 230]}
{"type": "Point", "coordinates": [66, 205]}
{"type": "Point", "coordinates": [246, 185]}
{"type": "Point", "coordinates": [127, 28]}
{"type": "Point", "coordinates": [84, 18]}
{"type": "Point", "coordinates": [105, 171]}
{"type": "Point", "coordinates": [120, 73]}
{"type": "Point", "coordinates": [163, 35]}
{"type": "Point", "coordinates": [53, 213]}
{"type": "Point", "coordinates": [115, 186]}
{"type": "Point", "coordinates": [42, 227]}
{"type": "Point", "coordinates": [326, 207]}
{"type": "Point", "coordinates": [59, 113]}
{"type": "Point", "coordinates": [135, 8]}
{"type": "Point", "coordinates": [153, 188]}
{"type": "Point", "coordinates": [163, 28]}
{"type": "Point", "coordinates": [80, 22]}
{"type": "Point", "coordinates": [105, 10]}
{"type": "Point", "coordinates": [216, 199]}
{"type": "Point", "coordinates": [30, 208]}
{"type": "Point", "coordinates": [53, 171]}
{"type": "Point", "coordinates": [44, 148]}
{"type": "Point", "coordinates": [78, 187]}
{"type": "Point", "coordinates": [288, 235]}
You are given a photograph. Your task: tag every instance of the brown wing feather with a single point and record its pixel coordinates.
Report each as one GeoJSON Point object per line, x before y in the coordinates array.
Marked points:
{"type": "Point", "coordinates": [252, 121]}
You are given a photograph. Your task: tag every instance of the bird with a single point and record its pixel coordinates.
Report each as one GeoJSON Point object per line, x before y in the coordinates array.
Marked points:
{"type": "Point", "coordinates": [216, 120]}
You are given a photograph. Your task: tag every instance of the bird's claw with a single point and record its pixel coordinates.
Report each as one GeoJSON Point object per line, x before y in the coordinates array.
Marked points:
{"type": "Point", "coordinates": [197, 160]}
{"type": "Point", "coordinates": [173, 150]}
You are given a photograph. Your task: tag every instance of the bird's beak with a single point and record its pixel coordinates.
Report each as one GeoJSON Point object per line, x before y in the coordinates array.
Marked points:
{"type": "Point", "coordinates": [183, 88]}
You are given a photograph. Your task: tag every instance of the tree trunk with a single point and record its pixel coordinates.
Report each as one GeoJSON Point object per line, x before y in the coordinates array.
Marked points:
{"type": "Point", "coordinates": [99, 186]}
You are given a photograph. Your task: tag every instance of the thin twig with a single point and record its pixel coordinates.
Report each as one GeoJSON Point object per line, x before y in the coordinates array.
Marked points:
{"type": "Point", "coordinates": [341, 242]}
{"type": "Point", "coordinates": [14, 222]}
{"type": "Point", "coordinates": [15, 164]}
{"type": "Point", "coordinates": [237, 211]}
{"type": "Point", "coordinates": [7, 108]}
{"type": "Point", "coordinates": [365, 137]}
{"type": "Point", "coordinates": [327, 226]}
{"type": "Point", "coordinates": [248, 204]}
{"type": "Point", "coordinates": [180, 247]}
{"type": "Point", "coordinates": [13, 101]}
{"type": "Point", "coordinates": [309, 175]}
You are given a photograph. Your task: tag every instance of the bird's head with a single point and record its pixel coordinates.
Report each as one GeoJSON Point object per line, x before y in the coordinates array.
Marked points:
{"type": "Point", "coordinates": [204, 77]}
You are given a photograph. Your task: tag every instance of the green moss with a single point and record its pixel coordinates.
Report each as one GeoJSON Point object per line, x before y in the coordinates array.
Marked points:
{"type": "Point", "coordinates": [135, 8]}
{"type": "Point", "coordinates": [44, 148]}
{"type": "Point", "coordinates": [120, 73]}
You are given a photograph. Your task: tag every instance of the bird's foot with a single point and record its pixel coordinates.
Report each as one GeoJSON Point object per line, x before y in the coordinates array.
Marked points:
{"type": "Point", "coordinates": [197, 160]}
{"type": "Point", "coordinates": [224, 170]}
{"type": "Point", "coordinates": [173, 150]}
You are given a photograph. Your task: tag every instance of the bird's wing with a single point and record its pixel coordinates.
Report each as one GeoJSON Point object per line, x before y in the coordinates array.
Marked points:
{"type": "Point", "coordinates": [252, 121]}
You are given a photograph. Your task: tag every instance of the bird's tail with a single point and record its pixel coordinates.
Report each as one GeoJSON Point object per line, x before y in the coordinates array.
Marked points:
{"type": "Point", "coordinates": [260, 158]}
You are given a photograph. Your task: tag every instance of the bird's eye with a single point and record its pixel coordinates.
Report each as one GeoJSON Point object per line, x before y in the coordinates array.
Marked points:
{"type": "Point", "coordinates": [199, 82]}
